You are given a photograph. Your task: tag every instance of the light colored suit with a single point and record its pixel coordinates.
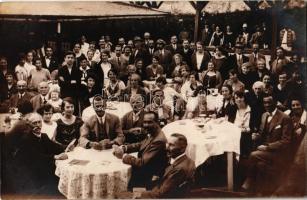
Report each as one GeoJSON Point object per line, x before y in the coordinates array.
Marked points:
{"type": "Point", "coordinates": [91, 131]}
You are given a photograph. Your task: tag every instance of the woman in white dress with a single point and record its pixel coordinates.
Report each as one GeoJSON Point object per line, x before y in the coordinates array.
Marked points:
{"type": "Point", "coordinates": [48, 126]}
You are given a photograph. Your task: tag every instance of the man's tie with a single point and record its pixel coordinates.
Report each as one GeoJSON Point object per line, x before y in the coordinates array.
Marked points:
{"type": "Point", "coordinates": [118, 61]}
{"type": "Point", "coordinates": [45, 101]}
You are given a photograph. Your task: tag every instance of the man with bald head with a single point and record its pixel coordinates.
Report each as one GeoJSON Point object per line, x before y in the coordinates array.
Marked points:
{"type": "Point", "coordinates": [21, 96]}
{"type": "Point", "coordinates": [132, 122]}
{"type": "Point", "coordinates": [32, 162]}
{"type": "Point", "coordinates": [255, 99]}
{"type": "Point", "coordinates": [40, 99]}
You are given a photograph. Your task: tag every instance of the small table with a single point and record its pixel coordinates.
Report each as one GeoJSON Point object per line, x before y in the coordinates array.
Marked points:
{"type": "Point", "coordinates": [116, 108]}
{"type": "Point", "coordinates": [92, 174]}
{"type": "Point", "coordinates": [216, 137]}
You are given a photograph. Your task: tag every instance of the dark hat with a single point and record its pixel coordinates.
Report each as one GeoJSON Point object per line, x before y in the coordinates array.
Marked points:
{"type": "Point", "coordinates": [137, 38]}
{"type": "Point", "coordinates": [160, 41]}
{"type": "Point", "coordinates": [239, 45]}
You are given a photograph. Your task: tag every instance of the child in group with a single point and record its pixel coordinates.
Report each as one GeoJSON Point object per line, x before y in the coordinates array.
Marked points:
{"type": "Point", "coordinates": [55, 100]}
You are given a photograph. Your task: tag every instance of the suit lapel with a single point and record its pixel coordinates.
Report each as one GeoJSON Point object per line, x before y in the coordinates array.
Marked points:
{"type": "Point", "coordinates": [106, 123]}
{"type": "Point", "coordinates": [274, 121]}
{"type": "Point", "coordinates": [171, 167]}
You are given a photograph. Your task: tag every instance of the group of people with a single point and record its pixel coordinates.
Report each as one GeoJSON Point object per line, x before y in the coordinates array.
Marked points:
{"type": "Point", "coordinates": [163, 83]}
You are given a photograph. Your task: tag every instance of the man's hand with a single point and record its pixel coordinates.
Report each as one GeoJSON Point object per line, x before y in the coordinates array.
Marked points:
{"type": "Point", "coordinates": [62, 156]}
{"type": "Point", "coordinates": [298, 131]}
{"type": "Point", "coordinates": [96, 145]}
{"type": "Point", "coordinates": [262, 148]}
{"type": "Point", "coordinates": [255, 136]}
{"type": "Point", "coordinates": [118, 151]}
{"type": "Point", "coordinates": [135, 131]}
{"type": "Point", "coordinates": [106, 143]}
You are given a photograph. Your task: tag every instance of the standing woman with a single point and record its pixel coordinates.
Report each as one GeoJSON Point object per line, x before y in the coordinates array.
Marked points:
{"type": "Point", "coordinates": [68, 125]}
{"type": "Point", "coordinates": [228, 108]}
{"type": "Point", "coordinates": [217, 38]}
{"type": "Point", "coordinates": [219, 60]}
{"type": "Point", "coordinates": [242, 120]}
{"type": "Point", "coordinates": [211, 78]}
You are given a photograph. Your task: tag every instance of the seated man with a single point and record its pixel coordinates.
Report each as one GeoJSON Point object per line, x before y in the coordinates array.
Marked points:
{"type": "Point", "coordinates": [275, 138]}
{"type": "Point", "coordinates": [132, 122]}
{"type": "Point", "coordinates": [164, 111]}
{"type": "Point", "coordinates": [21, 95]}
{"type": "Point", "coordinates": [178, 176]}
{"type": "Point", "coordinates": [42, 98]}
{"type": "Point", "coordinates": [30, 164]}
{"type": "Point", "coordinates": [102, 130]}
{"type": "Point", "coordinates": [152, 158]}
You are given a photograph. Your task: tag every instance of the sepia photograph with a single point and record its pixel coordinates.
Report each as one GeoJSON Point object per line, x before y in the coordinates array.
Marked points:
{"type": "Point", "coordinates": [153, 99]}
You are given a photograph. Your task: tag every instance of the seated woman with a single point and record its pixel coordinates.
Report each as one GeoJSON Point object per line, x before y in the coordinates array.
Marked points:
{"type": "Point", "coordinates": [68, 126]}
{"type": "Point", "coordinates": [89, 90]}
{"type": "Point", "coordinates": [242, 120]}
{"type": "Point", "coordinates": [228, 109]}
{"type": "Point", "coordinates": [299, 118]}
{"type": "Point", "coordinates": [267, 80]}
{"type": "Point", "coordinates": [115, 86]}
{"type": "Point", "coordinates": [184, 73]}
{"type": "Point", "coordinates": [134, 88]}
{"type": "Point", "coordinates": [176, 64]}
{"type": "Point", "coordinates": [48, 126]}
{"type": "Point", "coordinates": [196, 106]}
{"type": "Point", "coordinates": [211, 78]}
{"type": "Point", "coordinates": [234, 82]}
{"type": "Point", "coordinates": [189, 87]}
{"type": "Point", "coordinates": [154, 70]}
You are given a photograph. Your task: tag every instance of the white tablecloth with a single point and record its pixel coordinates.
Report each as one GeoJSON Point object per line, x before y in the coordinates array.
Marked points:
{"type": "Point", "coordinates": [102, 177]}
{"type": "Point", "coordinates": [116, 108]}
{"type": "Point", "coordinates": [212, 139]}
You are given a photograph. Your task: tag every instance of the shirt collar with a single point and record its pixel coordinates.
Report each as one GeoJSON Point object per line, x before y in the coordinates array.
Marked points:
{"type": "Point", "coordinates": [87, 68]}
{"type": "Point", "coordinates": [42, 97]}
{"type": "Point", "coordinates": [273, 113]}
{"type": "Point", "coordinates": [173, 160]}
{"type": "Point", "coordinates": [103, 118]}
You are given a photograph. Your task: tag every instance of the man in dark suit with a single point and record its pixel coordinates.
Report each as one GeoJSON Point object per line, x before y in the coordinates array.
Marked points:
{"type": "Point", "coordinates": [40, 99]}
{"type": "Point", "coordinates": [186, 52]}
{"type": "Point", "coordinates": [236, 60]}
{"type": "Point", "coordinates": [178, 176]}
{"type": "Point", "coordinates": [69, 77]}
{"type": "Point", "coordinates": [102, 130]}
{"type": "Point", "coordinates": [49, 61]}
{"type": "Point", "coordinates": [275, 139]}
{"type": "Point", "coordinates": [119, 62]}
{"type": "Point", "coordinates": [90, 58]}
{"type": "Point", "coordinates": [200, 58]}
{"type": "Point", "coordinates": [254, 56]}
{"type": "Point", "coordinates": [32, 156]}
{"type": "Point", "coordinates": [150, 49]}
{"type": "Point", "coordinates": [165, 57]}
{"type": "Point", "coordinates": [151, 160]}
{"type": "Point", "coordinates": [21, 96]}
{"type": "Point", "coordinates": [139, 52]}
{"type": "Point", "coordinates": [174, 47]}
{"type": "Point", "coordinates": [132, 122]}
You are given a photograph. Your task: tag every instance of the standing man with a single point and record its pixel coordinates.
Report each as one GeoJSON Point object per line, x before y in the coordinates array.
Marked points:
{"type": "Point", "coordinates": [173, 47]}
{"type": "Point", "coordinates": [49, 61]}
{"type": "Point", "coordinates": [152, 157]}
{"type": "Point", "coordinates": [186, 52]}
{"type": "Point", "coordinates": [255, 56]}
{"type": "Point", "coordinates": [165, 57]}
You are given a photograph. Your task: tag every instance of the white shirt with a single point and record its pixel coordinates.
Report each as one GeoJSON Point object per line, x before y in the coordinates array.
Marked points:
{"type": "Point", "coordinates": [199, 58]}
{"type": "Point", "coordinates": [47, 62]}
{"type": "Point", "coordinates": [29, 67]}
{"type": "Point", "coordinates": [242, 121]}
{"type": "Point", "coordinates": [105, 68]}
{"type": "Point", "coordinates": [174, 159]}
{"type": "Point", "coordinates": [271, 116]}
{"type": "Point", "coordinates": [49, 129]}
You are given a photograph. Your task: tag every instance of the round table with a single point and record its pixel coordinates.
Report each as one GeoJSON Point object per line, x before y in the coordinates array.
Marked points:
{"type": "Point", "coordinates": [92, 174]}
{"type": "Point", "coordinates": [116, 108]}
{"type": "Point", "coordinates": [214, 138]}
